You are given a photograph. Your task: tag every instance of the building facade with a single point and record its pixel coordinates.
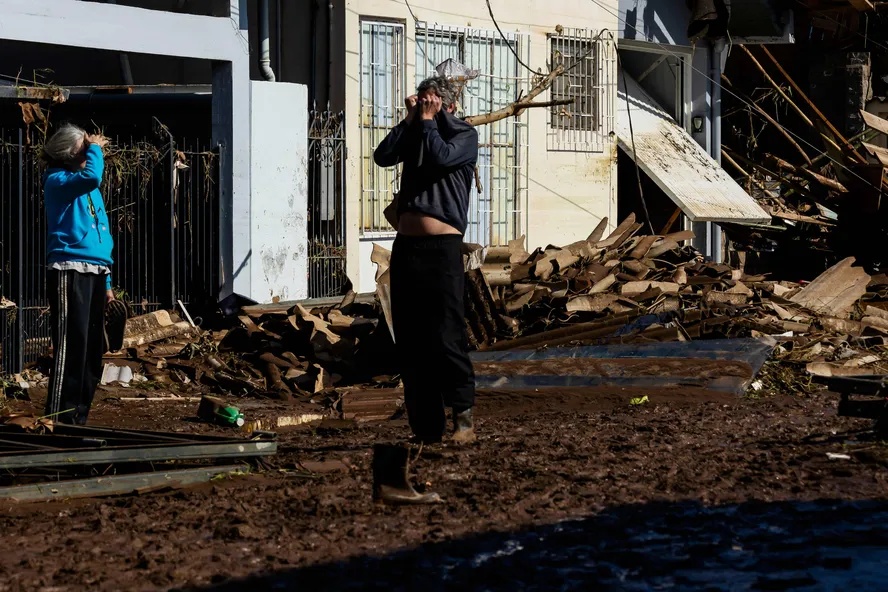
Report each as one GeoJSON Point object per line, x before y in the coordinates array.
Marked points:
{"type": "Point", "coordinates": [548, 174]}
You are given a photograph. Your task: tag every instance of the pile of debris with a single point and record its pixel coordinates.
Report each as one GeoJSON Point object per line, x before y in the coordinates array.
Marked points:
{"type": "Point", "coordinates": [276, 351]}
{"type": "Point", "coordinates": [825, 206]}
{"type": "Point", "coordinates": [623, 288]}
{"type": "Point", "coordinates": [626, 288]}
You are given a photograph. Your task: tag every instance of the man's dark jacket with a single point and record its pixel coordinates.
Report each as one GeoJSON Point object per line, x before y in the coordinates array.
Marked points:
{"type": "Point", "coordinates": [439, 157]}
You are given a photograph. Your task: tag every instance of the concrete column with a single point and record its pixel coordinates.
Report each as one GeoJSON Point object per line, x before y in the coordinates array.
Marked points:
{"type": "Point", "coordinates": [231, 131]}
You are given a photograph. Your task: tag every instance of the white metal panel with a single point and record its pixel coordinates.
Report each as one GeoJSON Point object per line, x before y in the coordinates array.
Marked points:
{"type": "Point", "coordinates": [279, 199]}
{"type": "Point", "coordinates": [677, 164]}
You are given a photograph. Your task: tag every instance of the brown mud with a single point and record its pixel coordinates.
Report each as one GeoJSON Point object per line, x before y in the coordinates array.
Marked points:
{"type": "Point", "coordinates": [542, 458]}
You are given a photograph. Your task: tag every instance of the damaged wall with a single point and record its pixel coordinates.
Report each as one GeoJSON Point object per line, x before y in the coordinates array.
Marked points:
{"type": "Point", "coordinates": [279, 201]}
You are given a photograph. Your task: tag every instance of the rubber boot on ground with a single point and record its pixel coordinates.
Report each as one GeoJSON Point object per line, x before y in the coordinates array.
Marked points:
{"type": "Point", "coordinates": [390, 482]}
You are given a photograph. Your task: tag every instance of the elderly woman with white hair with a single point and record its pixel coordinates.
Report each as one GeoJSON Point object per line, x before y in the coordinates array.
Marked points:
{"type": "Point", "coordinates": [79, 248]}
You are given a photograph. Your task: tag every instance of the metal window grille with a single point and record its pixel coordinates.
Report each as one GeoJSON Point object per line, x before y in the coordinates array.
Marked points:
{"type": "Point", "coordinates": [161, 196]}
{"type": "Point", "coordinates": [588, 62]}
{"type": "Point", "coordinates": [382, 107]}
{"type": "Point", "coordinates": [496, 208]}
{"type": "Point", "coordinates": [326, 209]}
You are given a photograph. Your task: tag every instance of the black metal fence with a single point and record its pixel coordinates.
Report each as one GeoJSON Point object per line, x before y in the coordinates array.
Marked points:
{"type": "Point", "coordinates": [161, 194]}
{"type": "Point", "coordinates": [326, 204]}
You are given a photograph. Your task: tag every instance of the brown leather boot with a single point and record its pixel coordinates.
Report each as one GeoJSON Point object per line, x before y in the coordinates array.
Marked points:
{"type": "Point", "coordinates": [390, 483]}
{"type": "Point", "coordinates": [463, 426]}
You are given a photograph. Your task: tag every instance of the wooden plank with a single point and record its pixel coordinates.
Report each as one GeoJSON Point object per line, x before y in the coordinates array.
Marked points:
{"type": "Point", "coordinates": [881, 154]}
{"type": "Point", "coordinates": [282, 308]}
{"type": "Point", "coordinates": [874, 121]}
{"type": "Point", "coordinates": [835, 291]}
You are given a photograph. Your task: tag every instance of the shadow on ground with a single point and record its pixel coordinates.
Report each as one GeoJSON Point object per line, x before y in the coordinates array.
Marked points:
{"type": "Point", "coordinates": [823, 545]}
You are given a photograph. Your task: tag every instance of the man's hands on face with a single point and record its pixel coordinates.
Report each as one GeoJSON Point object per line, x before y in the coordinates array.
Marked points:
{"type": "Point", "coordinates": [410, 103]}
{"type": "Point", "coordinates": [429, 107]}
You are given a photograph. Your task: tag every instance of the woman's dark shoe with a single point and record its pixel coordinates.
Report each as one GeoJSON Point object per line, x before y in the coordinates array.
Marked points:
{"type": "Point", "coordinates": [463, 426]}
{"type": "Point", "coordinates": [116, 314]}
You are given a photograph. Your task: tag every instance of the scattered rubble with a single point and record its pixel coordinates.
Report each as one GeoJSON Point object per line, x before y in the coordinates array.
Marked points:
{"type": "Point", "coordinates": [623, 288]}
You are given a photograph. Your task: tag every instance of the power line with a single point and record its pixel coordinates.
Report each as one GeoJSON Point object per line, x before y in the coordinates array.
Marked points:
{"type": "Point", "coordinates": [508, 43]}
{"type": "Point", "coordinates": [666, 49]}
{"type": "Point", "coordinates": [407, 2]}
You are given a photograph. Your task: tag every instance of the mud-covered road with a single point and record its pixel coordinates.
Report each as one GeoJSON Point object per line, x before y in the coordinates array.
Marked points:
{"type": "Point", "coordinates": [569, 491]}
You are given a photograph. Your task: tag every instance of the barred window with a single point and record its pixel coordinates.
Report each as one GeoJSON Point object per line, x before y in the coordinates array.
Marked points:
{"type": "Point", "coordinates": [578, 83]}
{"type": "Point", "coordinates": [496, 202]}
{"type": "Point", "coordinates": [578, 126]}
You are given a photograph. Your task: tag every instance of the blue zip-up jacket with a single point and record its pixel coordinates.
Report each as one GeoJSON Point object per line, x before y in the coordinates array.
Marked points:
{"type": "Point", "coordinates": [76, 221]}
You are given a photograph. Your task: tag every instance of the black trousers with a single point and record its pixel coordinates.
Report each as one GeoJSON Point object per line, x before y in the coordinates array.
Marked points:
{"type": "Point", "coordinates": [77, 311]}
{"type": "Point", "coordinates": [427, 288]}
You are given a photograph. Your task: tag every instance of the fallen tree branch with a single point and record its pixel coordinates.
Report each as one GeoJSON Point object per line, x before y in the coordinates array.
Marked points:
{"type": "Point", "coordinates": [517, 107]}
{"type": "Point", "coordinates": [555, 103]}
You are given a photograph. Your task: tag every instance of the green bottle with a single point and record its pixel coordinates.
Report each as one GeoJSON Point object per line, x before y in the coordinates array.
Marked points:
{"type": "Point", "coordinates": [230, 416]}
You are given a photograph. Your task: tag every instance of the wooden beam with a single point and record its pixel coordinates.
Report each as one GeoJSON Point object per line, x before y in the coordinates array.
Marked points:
{"type": "Point", "coordinates": [817, 112]}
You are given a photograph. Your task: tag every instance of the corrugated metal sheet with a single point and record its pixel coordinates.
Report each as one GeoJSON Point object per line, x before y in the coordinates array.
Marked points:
{"type": "Point", "coordinates": [678, 165]}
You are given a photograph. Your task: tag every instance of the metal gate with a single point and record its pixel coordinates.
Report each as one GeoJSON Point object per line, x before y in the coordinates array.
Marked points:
{"type": "Point", "coordinates": [326, 204]}
{"type": "Point", "coordinates": [161, 195]}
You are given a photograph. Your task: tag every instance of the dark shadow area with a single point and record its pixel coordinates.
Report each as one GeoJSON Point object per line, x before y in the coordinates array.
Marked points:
{"type": "Point", "coordinates": [822, 545]}
{"type": "Point", "coordinates": [629, 200]}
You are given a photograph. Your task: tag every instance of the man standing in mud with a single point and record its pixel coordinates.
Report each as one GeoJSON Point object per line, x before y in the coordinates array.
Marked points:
{"type": "Point", "coordinates": [438, 152]}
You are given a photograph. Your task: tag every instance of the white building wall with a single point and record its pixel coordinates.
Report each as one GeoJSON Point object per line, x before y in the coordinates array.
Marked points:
{"type": "Point", "coordinates": [279, 198]}
{"type": "Point", "coordinates": [567, 193]}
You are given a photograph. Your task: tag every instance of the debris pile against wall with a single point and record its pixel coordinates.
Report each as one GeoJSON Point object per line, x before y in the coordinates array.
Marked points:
{"type": "Point", "coordinates": [623, 288]}
{"type": "Point", "coordinates": [627, 288]}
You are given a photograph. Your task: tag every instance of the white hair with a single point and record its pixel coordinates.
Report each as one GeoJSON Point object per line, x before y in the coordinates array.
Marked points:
{"type": "Point", "coordinates": [62, 147]}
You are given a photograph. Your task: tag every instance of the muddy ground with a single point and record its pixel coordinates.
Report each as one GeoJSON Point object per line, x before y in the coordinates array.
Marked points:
{"type": "Point", "coordinates": [692, 490]}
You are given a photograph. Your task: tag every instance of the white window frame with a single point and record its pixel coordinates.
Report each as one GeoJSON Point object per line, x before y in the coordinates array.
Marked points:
{"type": "Point", "coordinates": [378, 185]}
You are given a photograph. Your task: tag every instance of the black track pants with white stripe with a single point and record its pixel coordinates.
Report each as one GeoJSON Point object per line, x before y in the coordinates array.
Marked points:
{"type": "Point", "coordinates": [77, 310]}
